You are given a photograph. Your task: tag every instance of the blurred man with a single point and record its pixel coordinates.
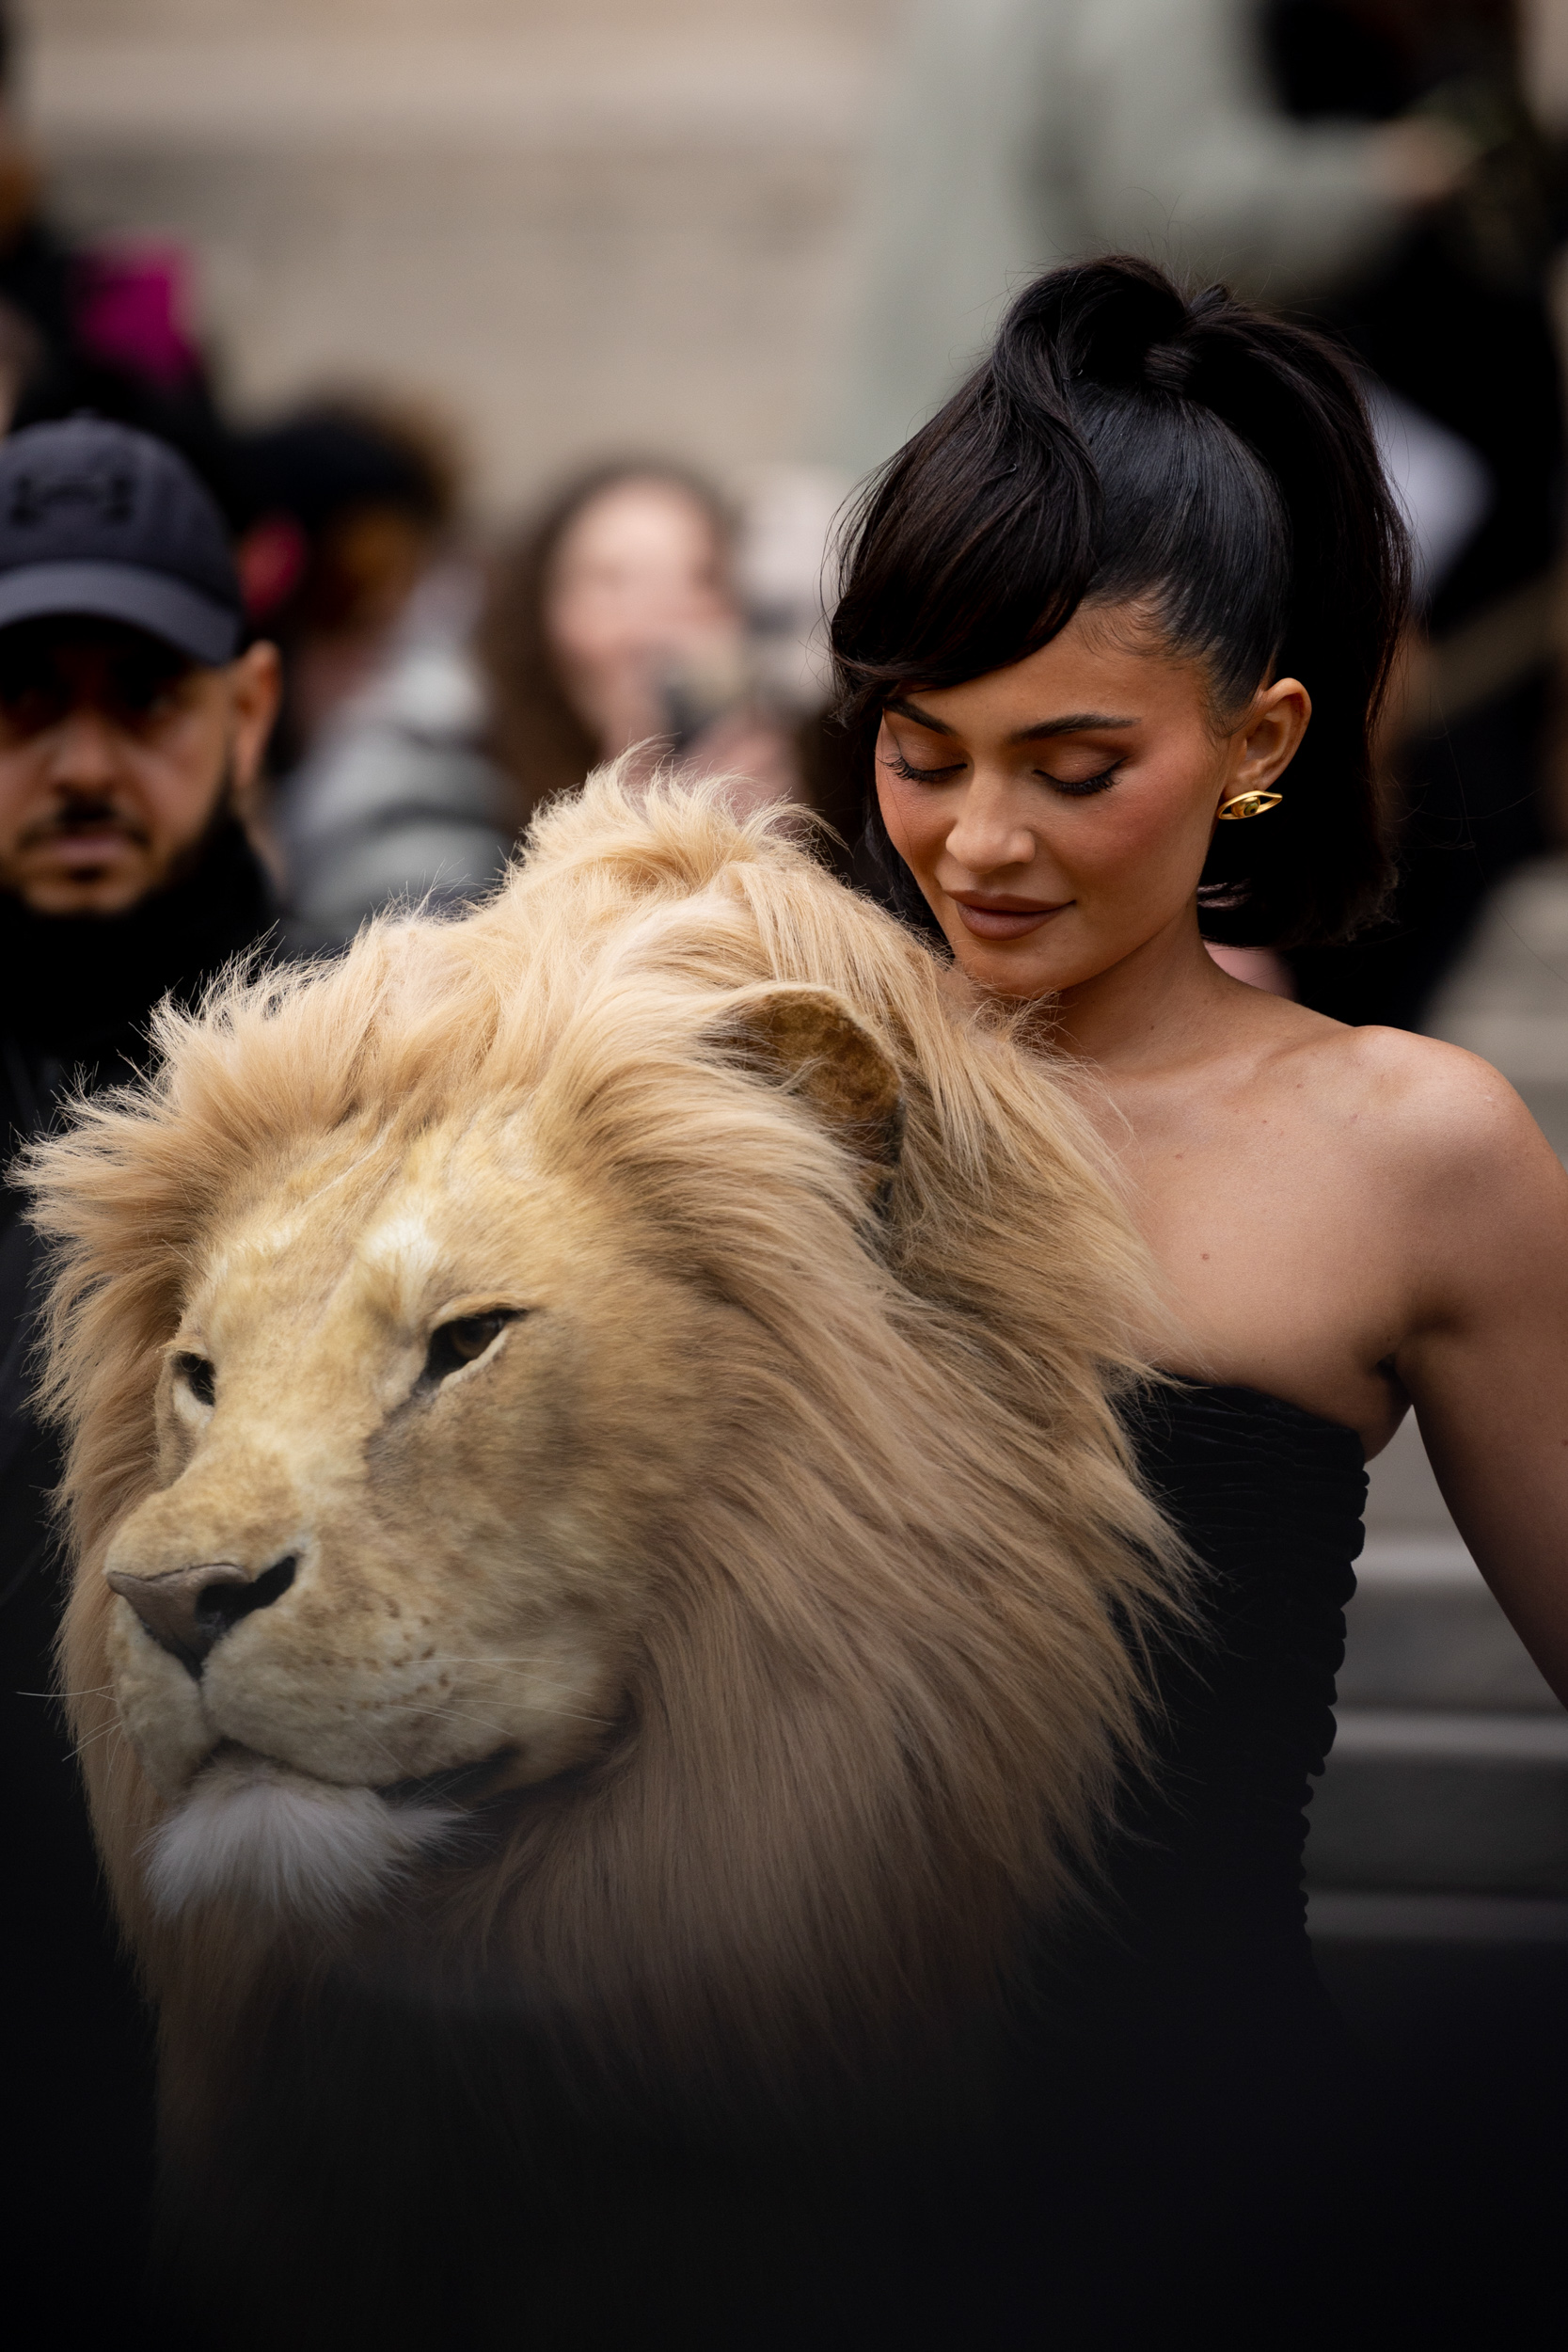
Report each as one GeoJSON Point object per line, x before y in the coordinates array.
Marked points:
{"type": "Point", "coordinates": [131, 729]}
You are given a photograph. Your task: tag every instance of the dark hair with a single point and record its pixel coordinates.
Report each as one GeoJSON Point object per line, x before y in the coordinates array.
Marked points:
{"type": "Point", "coordinates": [341, 454]}
{"type": "Point", "coordinates": [1122, 442]}
{"type": "Point", "coordinates": [537, 735]}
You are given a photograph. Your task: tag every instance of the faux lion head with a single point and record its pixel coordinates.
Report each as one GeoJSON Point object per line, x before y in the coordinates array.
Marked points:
{"type": "Point", "coordinates": [592, 1462]}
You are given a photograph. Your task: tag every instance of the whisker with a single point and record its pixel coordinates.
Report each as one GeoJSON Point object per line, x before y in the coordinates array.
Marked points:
{"type": "Point", "coordinates": [451, 1658]}
{"type": "Point", "coordinates": [394, 1762]}
{"type": "Point", "coordinates": [104, 1691]}
{"type": "Point", "coordinates": [93, 1737]}
{"type": "Point", "coordinates": [572, 1714]}
{"type": "Point", "coordinates": [452, 1714]}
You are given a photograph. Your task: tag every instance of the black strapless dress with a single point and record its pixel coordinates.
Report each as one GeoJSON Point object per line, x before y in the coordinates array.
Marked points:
{"type": "Point", "coordinates": [1165, 2151]}
{"type": "Point", "coordinates": [1183, 2131]}
{"type": "Point", "coordinates": [1208, 1874]}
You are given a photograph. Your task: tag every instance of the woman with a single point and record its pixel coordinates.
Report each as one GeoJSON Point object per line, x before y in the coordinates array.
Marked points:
{"type": "Point", "coordinates": [616, 622]}
{"type": "Point", "coordinates": [1114, 629]}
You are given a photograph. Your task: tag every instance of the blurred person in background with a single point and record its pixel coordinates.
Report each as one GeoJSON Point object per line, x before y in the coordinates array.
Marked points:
{"type": "Point", "coordinates": [1020, 134]}
{"type": "Point", "coordinates": [121, 347]}
{"type": "Point", "coordinates": [102, 326]}
{"type": "Point", "coordinates": [350, 502]}
{"type": "Point", "coordinates": [132, 722]}
{"type": "Point", "coordinates": [357, 561]}
{"type": "Point", "coordinates": [614, 620]}
{"type": "Point", "coordinates": [1453, 318]}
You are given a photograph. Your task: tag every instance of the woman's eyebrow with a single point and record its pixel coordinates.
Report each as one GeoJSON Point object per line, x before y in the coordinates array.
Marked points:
{"type": "Point", "coordinates": [913, 710]}
{"type": "Point", "coordinates": [1076, 723]}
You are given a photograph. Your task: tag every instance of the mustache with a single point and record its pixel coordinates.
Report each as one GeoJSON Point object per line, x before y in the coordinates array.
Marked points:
{"type": "Point", "coordinates": [100, 812]}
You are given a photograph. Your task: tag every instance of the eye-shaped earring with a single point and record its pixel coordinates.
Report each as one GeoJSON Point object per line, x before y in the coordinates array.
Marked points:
{"type": "Point", "coordinates": [1248, 805]}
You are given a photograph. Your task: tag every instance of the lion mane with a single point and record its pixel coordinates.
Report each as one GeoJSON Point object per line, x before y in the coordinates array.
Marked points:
{"type": "Point", "coordinates": [880, 1675]}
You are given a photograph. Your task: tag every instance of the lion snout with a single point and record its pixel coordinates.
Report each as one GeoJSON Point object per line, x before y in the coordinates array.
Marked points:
{"type": "Point", "coordinates": [188, 1611]}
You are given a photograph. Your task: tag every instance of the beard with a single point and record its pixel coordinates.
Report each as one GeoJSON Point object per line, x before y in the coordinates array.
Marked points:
{"type": "Point", "coordinates": [109, 812]}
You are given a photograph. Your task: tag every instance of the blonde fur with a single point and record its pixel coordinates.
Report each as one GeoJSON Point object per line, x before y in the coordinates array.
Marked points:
{"type": "Point", "coordinates": [826, 1468]}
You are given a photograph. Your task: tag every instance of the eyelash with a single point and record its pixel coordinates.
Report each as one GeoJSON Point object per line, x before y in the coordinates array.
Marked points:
{"type": "Point", "coordinates": [900, 767]}
{"type": "Point", "coordinates": [1086, 785]}
{"type": "Point", "coordinates": [1083, 789]}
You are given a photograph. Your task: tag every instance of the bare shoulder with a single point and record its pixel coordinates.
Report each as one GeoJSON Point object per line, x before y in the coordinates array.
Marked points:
{"type": "Point", "coordinates": [1428, 1113]}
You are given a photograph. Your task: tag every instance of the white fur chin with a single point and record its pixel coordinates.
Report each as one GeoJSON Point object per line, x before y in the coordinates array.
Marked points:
{"type": "Point", "coordinates": [255, 1833]}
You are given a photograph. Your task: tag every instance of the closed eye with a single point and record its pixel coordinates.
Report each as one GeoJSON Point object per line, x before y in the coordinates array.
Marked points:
{"type": "Point", "coordinates": [1076, 788]}
{"type": "Point", "coordinates": [1080, 787]}
{"type": "Point", "coordinates": [463, 1341]}
{"type": "Point", "coordinates": [901, 766]}
{"type": "Point", "coordinates": [199, 1375]}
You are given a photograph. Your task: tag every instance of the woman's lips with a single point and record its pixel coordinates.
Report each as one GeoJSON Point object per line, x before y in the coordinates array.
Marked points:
{"type": "Point", "coordinates": [1005, 918]}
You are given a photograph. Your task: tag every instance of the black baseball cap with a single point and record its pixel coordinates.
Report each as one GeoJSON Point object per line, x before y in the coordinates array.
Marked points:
{"type": "Point", "coordinates": [99, 520]}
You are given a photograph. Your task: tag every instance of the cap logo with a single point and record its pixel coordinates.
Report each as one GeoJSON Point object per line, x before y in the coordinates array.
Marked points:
{"type": "Point", "coordinates": [111, 493]}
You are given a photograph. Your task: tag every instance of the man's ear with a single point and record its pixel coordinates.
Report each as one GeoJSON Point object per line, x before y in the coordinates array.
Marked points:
{"type": "Point", "coordinates": [255, 683]}
{"type": "Point", "coordinates": [827, 1056]}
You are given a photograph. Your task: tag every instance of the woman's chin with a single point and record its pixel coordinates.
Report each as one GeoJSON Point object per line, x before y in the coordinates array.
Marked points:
{"type": "Point", "coordinates": [1023, 967]}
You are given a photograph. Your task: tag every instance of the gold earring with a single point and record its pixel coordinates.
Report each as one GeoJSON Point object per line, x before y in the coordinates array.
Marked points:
{"type": "Point", "coordinates": [1249, 804]}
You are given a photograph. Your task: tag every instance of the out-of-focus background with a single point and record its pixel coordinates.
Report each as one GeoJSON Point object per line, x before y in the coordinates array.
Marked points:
{"type": "Point", "coordinates": [568, 225]}
{"type": "Point", "coordinates": [532, 346]}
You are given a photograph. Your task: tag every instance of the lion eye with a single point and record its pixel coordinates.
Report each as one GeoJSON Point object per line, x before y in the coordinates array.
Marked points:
{"type": "Point", "coordinates": [199, 1376]}
{"type": "Point", "coordinates": [463, 1342]}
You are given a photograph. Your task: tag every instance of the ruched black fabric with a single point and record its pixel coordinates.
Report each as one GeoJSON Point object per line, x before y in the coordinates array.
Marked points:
{"type": "Point", "coordinates": [1269, 1499]}
{"type": "Point", "coordinates": [1185, 2127]}
{"type": "Point", "coordinates": [1174, 2148]}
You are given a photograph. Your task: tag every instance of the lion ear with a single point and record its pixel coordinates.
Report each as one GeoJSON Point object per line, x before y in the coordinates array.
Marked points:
{"type": "Point", "coordinates": [810, 1037]}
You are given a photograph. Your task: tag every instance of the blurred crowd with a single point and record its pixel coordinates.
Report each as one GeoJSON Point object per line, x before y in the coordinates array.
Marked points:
{"type": "Point", "coordinates": [1375, 165]}
{"type": "Point", "coordinates": [258, 682]}
{"type": "Point", "coordinates": [437, 681]}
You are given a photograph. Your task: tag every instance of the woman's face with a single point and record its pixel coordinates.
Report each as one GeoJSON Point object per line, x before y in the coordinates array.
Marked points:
{"type": "Point", "coordinates": [637, 590]}
{"type": "Point", "coordinates": [1057, 814]}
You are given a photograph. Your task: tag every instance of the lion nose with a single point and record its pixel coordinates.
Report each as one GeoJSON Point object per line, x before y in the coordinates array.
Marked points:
{"type": "Point", "coordinates": [188, 1611]}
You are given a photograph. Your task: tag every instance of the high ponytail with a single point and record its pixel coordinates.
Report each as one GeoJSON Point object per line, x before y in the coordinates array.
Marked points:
{"type": "Point", "coordinates": [1120, 444]}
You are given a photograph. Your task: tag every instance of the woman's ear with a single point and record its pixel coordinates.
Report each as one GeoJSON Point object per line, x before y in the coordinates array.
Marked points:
{"type": "Point", "coordinates": [1269, 738]}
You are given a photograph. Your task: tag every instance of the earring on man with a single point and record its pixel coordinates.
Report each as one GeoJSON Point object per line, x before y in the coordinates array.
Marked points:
{"type": "Point", "coordinates": [1248, 805]}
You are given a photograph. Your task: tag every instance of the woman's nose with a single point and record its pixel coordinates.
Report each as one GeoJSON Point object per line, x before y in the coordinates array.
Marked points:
{"type": "Point", "coordinates": [989, 831]}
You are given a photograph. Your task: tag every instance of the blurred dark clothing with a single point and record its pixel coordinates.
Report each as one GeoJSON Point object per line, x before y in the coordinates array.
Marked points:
{"type": "Point", "coordinates": [1456, 321]}
{"type": "Point", "coordinates": [35, 275]}
{"type": "Point", "coordinates": [75, 996]}
{"type": "Point", "coordinates": [75, 993]}
{"type": "Point", "coordinates": [400, 802]}
{"type": "Point", "coordinates": [61, 291]}
{"type": "Point", "coordinates": [346, 508]}
{"type": "Point", "coordinates": [98, 326]}
{"type": "Point", "coordinates": [1456, 318]}
{"type": "Point", "coordinates": [1018, 135]}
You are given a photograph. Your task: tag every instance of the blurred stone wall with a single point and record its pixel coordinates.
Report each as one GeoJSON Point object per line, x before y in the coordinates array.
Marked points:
{"type": "Point", "coordinates": [575, 226]}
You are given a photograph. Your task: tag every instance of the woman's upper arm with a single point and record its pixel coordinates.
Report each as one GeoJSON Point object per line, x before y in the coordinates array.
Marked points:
{"type": "Point", "coordinates": [1485, 1359]}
